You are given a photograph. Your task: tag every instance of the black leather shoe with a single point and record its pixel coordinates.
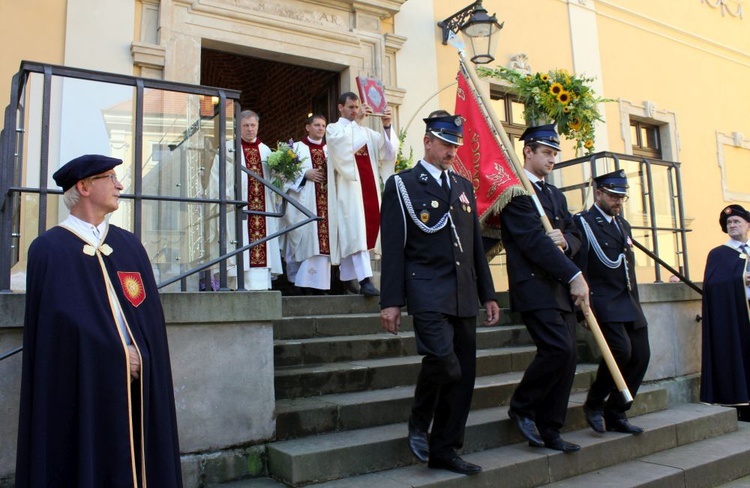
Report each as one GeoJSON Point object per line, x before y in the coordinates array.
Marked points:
{"type": "Point", "coordinates": [623, 426]}
{"type": "Point", "coordinates": [367, 289]}
{"type": "Point", "coordinates": [455, 464]}
{"type": "Point", "coordinates": [595, 418]}
{"type": "Point", "coordinates": [560, 445]}
{"type": "Point", "coordinates": [351, 287]}
{"type": "Point", "coordinates": [418, 444]}
{"type": "Point", "coordinates": [528, 429]}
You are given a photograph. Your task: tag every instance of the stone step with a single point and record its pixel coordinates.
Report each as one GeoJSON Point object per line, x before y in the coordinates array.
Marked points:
{"type": "Point", "coordinates": [343, 304]}
{"type": "Point", "coordinates": [319, 350]}
{"type": "Point", "coordinates": [521, 466]}
{"type": "Point", "coordinates": [252, 483]}
{"type": "Point", "coordinates": [328, 305]}
{"type": "Point", "coordinates": [346, 454]}
{"type": "Point", "coordinates": [374, 374]}
{"type": "Point", "coordinates": [342, 325]}
{"type": "Point", "coordinates": [300, 417]}
{"type": "Point", "coordinates": [743, 482]}
{"type": "Point", "coordinates": [724, 459]}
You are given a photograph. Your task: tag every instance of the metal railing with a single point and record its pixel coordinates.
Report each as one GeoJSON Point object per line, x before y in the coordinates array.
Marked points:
{"type": "Point", "coordinates": [643, 170]}
{"type": "Point", "coordinates": [669, 268]}
{"type": "Point", "coordinates": [14, 169]}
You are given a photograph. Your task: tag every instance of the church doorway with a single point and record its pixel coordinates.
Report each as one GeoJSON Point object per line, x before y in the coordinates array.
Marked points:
{"type": "Point", "coordinates": [282, 94]}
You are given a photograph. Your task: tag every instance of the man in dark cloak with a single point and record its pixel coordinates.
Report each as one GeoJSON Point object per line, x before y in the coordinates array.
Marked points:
{"type": "Point", "coordinates": [97, 402]}
{"type": "Point", "coordinates": [725, 377]}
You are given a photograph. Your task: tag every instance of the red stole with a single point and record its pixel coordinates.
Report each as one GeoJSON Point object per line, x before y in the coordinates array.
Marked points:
{"type": "Point", "coordinates": [369, 195]}
{"type": "Point", "coordinates": [256, 200]}
{"type": "Point", "coordinates": [318, 157]}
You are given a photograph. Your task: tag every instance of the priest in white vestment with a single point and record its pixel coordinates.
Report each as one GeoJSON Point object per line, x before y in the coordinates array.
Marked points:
{"type": "Point", "coordinates": [308, 248]}
{"type": "Point", "coordinates": [263, 262]}
{"type": "Point", "coordinates": [361, 159]}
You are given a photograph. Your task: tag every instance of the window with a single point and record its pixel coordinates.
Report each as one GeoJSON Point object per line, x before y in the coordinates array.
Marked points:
{"type": "Point", "coordinates": [645, 139]}
{"type": "Point", "coordinates": [509, 109]}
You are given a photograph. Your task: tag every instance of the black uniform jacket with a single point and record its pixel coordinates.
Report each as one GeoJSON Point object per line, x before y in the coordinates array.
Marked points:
{"type": "Point", "coordinates": [611, 300]}
{"type": "Point", "coordinates": [538, 272]}
{"type": "Point", "coordinates": [431, 271]}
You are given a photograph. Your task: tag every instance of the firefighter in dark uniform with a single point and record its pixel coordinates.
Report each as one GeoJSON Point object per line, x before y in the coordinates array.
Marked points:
{"type": "Point", "coordinates": [609, 268]}
{"type": "Point", "coordinates": [545, 287]}
{"type": "Point", "coordinates": [434, 264]}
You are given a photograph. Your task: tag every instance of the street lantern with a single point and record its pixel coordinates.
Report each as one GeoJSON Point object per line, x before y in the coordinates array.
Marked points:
{"type": "Point", "coordinates": [481, 32]}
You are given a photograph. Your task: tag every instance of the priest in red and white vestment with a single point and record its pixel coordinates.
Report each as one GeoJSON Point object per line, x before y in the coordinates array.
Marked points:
{"type": "Point", "coordinates": [360, 158]}
{"type": "Point", "coordinates": [308, 248]}
{"type": "Point", "coordinates": [263, 263]}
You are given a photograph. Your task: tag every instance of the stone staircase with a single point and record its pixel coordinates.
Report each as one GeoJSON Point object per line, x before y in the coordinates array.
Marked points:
{"type": "Point", "coordinates": [344, 393]}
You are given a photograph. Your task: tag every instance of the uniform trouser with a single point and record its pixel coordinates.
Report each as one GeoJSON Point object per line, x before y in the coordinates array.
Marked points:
{"type": "Point", "coordinates": [545, 387]}
{"type": "Point", "coordinates": [446, 381]}
{"type": "Point", "coordinates": [631, 351]}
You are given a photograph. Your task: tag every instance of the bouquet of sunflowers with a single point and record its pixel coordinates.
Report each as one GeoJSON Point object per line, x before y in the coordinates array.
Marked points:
{"type": "Point", "coordinates": [285, 164]}
{"type": "Point", "coordinates": [556, 95]}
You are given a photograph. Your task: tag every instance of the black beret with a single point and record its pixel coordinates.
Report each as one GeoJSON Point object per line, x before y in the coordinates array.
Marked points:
{"type": "Point", "coordinates": [732, 210]}
{"type": "Point", "coordinates": [82, 167]}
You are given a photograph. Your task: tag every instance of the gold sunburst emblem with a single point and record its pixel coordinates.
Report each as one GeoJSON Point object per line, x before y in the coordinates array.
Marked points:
{"type": "Point", "coordinates": [132, 287]}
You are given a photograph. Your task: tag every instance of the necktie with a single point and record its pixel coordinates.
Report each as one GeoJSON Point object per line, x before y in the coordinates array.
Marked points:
{"type": "Point", "coordinates": [744, 248]}
{"type": "Point", "coordinates": [444, 184]}
{"type": "Point", "coordinates": [617, 227]}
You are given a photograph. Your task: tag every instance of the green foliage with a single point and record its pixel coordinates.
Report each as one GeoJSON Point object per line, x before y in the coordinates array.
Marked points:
{"type": "Point", "coordinates": [556, 96]}
{"type": "Point", "coordinates": [403, 162]}
{"type": "Point", "coordinates": [285, 164]}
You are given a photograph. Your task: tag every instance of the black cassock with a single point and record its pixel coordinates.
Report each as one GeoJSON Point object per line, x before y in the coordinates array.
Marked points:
{"type": "Point", "coordinates": [77, 401]}
{"type": "Point", "coordinates": [725, 377]}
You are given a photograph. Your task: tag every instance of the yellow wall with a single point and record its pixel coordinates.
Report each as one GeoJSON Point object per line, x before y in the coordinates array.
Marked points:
{"type": "Point", "coordinates": [33, 30]}
{"type": "Point", "coordinates": [690, 60]}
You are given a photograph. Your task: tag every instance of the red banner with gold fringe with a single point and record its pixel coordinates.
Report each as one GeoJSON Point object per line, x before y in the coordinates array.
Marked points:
{"type": "Point", "coordinates": [482, 159]}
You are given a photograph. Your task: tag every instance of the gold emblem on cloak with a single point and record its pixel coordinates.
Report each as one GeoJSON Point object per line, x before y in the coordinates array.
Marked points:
{"type": "Point", "coordinates": [424, 216]}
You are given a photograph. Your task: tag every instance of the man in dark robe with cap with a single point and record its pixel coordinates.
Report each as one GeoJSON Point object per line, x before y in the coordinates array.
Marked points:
{"type": "Point", "coordinates": [608, 264]}
{"type": "Point", "coordinates": [725, 370]}
{"type": "Point", "coordinates": [97, 403]}
{"type": "Point", "coordinates": [433, 262]}
{"type": "Point", "coordinates": [545, 287]}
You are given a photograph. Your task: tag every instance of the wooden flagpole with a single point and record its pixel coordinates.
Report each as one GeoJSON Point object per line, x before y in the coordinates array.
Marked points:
{"type": "Point", "coordinates": [500, 133]}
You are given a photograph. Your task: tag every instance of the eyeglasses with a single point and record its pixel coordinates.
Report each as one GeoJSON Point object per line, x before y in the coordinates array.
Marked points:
{"type": "Point", "coordinates": [111, 176]}
{"type": "Point", "coordinates": [615, 196]}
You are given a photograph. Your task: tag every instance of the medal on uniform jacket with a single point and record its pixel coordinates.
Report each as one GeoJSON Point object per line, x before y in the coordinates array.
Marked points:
{"type": "Point", "coordinates": [424, 216]}
{"type": "Point", "coordinates": [132, 287]}
{"type": "Point", "coordinates": [434, 204]}
{"type": "Point", "coordinates": [465, 204]}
